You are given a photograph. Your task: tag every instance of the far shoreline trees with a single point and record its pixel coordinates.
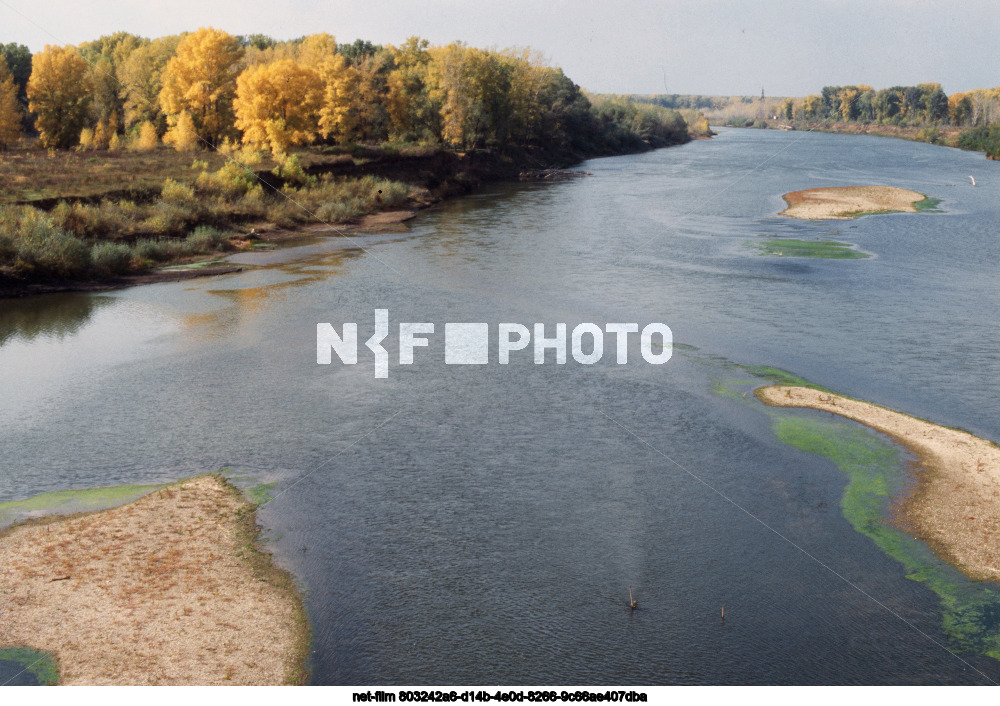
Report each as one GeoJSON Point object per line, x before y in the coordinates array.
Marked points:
{"type": "Point", "coordinates": [211, 90]}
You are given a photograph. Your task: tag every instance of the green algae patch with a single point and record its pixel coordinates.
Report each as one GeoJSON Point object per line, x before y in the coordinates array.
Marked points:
{"type": "Point", "coordinates": [779, 376]}
{"type": "Point", "coordinates": [256, 489]}
{"type": "Point", "coordinates": [929, 205]}
{"type": "Point", "coordinates": [64, 502]}
{"type": "Point", "coordinates": [39, 664]}
{"type": "Point", "coordinates": [970, 609]}
{"type": "Point", "coordinates": [875, 469]}
{"type": "Point", "coordinates": [193, 265]}
{"type": "Point", "coordinates": [823, 249]}
{"type": "Point", "coordinates": [260, 493]}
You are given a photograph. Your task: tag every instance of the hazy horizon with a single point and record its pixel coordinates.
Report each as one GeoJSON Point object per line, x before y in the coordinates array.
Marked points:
{"type": "Point", "coordinates": [708, 47]}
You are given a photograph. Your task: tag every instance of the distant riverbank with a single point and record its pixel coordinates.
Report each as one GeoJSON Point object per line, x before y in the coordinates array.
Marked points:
{"type": "Point", "coordinates": [938, 135]}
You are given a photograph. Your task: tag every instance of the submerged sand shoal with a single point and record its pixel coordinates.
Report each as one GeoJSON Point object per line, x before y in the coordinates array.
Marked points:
{"type": "Point", "coordinates": [840, 202]}
{"type": "Point", "coordinates": [168, 589]}
{"type": "Point", "coordinates": [956, 505]}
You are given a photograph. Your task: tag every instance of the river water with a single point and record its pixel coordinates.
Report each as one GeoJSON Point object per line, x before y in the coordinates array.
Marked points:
{"type": "Point", "coordinates": [481, 524]}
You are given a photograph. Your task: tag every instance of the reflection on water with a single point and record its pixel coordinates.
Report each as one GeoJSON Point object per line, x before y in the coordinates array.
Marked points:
{"type": "Point", "coordinates": [468, 525]}
{"type": "Point", "coordinates": [50, 315]}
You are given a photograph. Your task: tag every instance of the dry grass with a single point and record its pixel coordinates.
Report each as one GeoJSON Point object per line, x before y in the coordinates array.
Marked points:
{"type": "Point", "coordinates": [169, 589]}
{"type": "Point", "coordinates": [29, 174]}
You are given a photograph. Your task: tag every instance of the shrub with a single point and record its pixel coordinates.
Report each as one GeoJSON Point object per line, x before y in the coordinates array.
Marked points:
{"type": "Point", "coordinates": [230, 180]}
{"type": "Point", "coordinates": [44, 249]}
{"type": "Point", "coordinates": [205, 239]}
{"type": "Point", "coordinates": [86, 139]}
{"type": "Point", "coordinates": [182, 135]}
{"type": "Point", "coordinates": [89, 221]}
{"type": "Point", "coordinates": [7, 249]}
{"type": "Point", "coordinates": [160, 250]}
{"type": "Point", "coordinates": [291, 171]}
{"type": "Point", "coordinates": [146, 139]}
{"type": "Point", "coordinates": [111, 258]}
{"type": "Point", "coordinates": [176, 192]}
{"type": "Point", "coordinates": [167, 218]}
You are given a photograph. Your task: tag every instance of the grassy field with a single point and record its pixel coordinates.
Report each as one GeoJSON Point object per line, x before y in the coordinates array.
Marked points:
{"type": "Point", "coordinates": [30, 173]}
{"type": "Point", "coordinates": [76, 215]}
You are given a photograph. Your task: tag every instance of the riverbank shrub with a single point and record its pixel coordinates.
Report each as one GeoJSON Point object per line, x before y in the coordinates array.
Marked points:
{"type": "Point", "coordinates": [983, 139]}
{"type": "Point", "coordinates": [111, 258]}
{"type": "Point", "coordinates": [205, 239]}
{"type": "Point", "coordinates": [44, 250]}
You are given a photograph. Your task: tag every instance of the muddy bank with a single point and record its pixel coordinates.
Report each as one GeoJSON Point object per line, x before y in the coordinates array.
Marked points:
{"type": "Point", "coordinates": [168, 589]}
{"type": "Point", "coordinates": [955, 507]}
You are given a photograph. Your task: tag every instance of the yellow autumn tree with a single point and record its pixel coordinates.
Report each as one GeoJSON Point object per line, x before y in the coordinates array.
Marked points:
{"type": "Point", "coordinates": [412, 114]}
{"type": "Point", "coordinates": [200, 81]}
{"type": "Point", "coordinates": [338, 115]}
{"type": "Point", "coordinates": [450, 87]}
{"type": "Point", "coordinates": [278, 105]}
{"type": "Point", "coordinates": [59, 95]}
{"type": "Point", "coordinates": [182, 136]}
{"type": "Point", "coordinates": [146, 140]}
{"type": "Point", "coordinates": [314, 49]}
{"type": "Point", "coordinates": [10, 110]}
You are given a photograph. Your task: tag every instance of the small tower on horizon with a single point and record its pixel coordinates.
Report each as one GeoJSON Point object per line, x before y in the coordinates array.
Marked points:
{"type": "Point", "coordinates": [762, 93]}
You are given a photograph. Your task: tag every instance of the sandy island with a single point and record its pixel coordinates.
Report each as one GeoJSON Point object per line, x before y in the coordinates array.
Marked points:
{"type": "Point", "coordinates": [168, 589]}
{"type": "Point", "coordinates": [841, 202]}
{"type": "Point", "coordinates": [956, 505]}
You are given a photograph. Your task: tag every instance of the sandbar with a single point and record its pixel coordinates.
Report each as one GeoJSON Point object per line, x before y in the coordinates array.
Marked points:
{"type": "Point", "coordinates": [955, 507]}
{"type": "Point", "coordinates": [842, 202]}
{"type": "Point", "coordinates": [168, 589]}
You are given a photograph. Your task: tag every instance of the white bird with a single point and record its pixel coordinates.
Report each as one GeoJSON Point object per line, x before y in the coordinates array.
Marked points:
{"type": "Point", "coordinates": [973, 180]}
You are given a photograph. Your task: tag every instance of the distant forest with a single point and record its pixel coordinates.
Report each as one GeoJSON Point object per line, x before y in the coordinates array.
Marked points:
{"type": "Point", "coordinates": [973, 116]}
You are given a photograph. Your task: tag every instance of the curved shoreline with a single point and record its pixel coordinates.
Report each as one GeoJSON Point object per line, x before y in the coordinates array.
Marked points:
{"type": "Point", "coordinates": [168, 589]}
{"type": "Point", "coordinates": [955, 508]}
{"type": "Point", "coordinates": [846, 202]}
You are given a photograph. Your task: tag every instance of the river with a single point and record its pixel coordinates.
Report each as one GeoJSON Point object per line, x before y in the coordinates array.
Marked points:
{"type": "Point", "coordinates": [481, 524]}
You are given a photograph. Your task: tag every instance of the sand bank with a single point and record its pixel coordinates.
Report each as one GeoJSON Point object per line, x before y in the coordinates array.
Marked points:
{"type": "Point", "coordinates": [168, 589]}
{"type": "Point", "coordinates": [840, 202]}
{"type": "Point", "coordinates": [956, 505]}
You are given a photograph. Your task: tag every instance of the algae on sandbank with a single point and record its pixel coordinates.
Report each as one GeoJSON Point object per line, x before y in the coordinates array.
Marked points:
{"type": "Point", "coordinates": [877, 476]}
{"type": "Point", "coordinates": [845, 202]}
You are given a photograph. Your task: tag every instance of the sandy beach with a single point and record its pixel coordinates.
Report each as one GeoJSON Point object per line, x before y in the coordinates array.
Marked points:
{"type": "Point", "coordinates": [168, 589]}
{"type": "Point", "coordinates": [842, 202]}
{"type": "Point", "coordinates": [955, 507]}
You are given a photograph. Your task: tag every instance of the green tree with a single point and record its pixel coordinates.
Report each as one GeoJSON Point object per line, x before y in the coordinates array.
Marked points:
{"type": "Point", "coordinates": [104, 56]}
{"type": "Point", "coordinates": [141, 80]}
{"type": "Point", "coordinates": [18, 58]}
{"type": "Point", "coordinates": [412, 113]}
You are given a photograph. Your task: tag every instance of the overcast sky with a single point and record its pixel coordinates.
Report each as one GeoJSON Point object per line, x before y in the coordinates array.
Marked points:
{"type": "Point", "coordinates": [721, 47]}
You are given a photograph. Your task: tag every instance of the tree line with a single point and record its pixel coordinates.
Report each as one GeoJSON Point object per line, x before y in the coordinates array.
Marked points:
{"type": "Point", "coordinates": [205, 88]}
